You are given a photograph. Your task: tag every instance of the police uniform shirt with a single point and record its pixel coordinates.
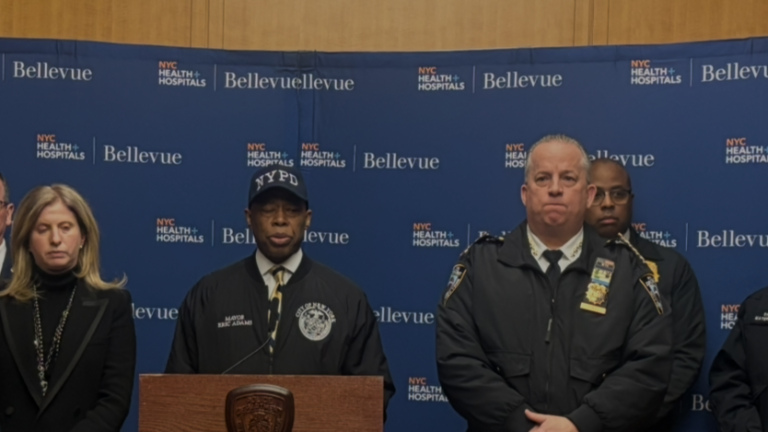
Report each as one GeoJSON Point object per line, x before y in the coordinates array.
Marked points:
{"type": "Point", "coordinates": [265, 265]}
{"type": "Point", "coordinates": [571, 250]}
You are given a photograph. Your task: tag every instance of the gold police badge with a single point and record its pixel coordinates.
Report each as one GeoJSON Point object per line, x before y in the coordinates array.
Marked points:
{"type": "Point", "coordinates": [596, 294]}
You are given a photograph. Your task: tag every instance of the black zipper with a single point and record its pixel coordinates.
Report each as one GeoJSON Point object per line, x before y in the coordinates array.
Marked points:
{"type": "Point", "coordinates": [548, 339]}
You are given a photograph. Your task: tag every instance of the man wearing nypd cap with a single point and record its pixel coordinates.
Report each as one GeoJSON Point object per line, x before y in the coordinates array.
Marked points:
{"type": "Point", "coordinates": [552, 328]}
{"type": "Point", "coordinates": [277, 311]}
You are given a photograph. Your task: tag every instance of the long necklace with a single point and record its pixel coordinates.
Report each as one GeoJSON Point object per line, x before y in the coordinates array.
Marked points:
{"type": "Point", "coordinates": [42, 363]}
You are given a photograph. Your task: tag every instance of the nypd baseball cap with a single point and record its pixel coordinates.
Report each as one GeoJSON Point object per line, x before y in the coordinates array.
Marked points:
{"type": "Point", "coordinates": [277, 176]}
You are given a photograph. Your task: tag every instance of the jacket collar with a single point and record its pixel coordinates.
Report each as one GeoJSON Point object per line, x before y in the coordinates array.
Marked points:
{"type": "Point", "coordinates": [516, 251]}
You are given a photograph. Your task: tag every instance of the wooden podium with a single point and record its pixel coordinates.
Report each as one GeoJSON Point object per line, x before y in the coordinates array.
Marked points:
{"type": "Point", "coordinates": [195, 403]}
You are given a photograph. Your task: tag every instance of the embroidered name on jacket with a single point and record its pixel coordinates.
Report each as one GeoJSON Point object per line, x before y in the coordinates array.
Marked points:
{"type": "Point", "coordinates": [234, 321]}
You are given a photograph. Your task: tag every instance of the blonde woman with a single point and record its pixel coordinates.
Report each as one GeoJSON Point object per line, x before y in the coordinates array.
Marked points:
{"type": "Point", "coordinates": [68, 344]}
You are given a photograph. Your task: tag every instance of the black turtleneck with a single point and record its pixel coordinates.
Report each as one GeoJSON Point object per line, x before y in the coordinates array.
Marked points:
{"type": "Point", "coordinates": [54, 291]}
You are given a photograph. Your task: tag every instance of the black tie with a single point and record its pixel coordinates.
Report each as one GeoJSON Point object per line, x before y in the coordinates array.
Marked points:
{"type": "Point", "coordinates": [553, 271]}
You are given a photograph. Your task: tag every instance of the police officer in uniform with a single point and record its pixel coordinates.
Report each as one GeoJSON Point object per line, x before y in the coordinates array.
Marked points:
{"type": "Point", "coordinates": [610, 214]}
{"type": "Point", "coordinates": [739, 376]}
{"type": "Point", "coordinates": [277, 311]}
{"type": "Point", "coordinates": [553, 328]}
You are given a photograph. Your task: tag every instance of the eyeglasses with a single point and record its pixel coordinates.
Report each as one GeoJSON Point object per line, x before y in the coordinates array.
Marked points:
{"type": "Point", "coordinates": [618, 196]}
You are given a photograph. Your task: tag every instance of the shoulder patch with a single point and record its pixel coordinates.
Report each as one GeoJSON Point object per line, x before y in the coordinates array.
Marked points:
{"type": "Point", "coordinates": [457, 275]}
{"type": "Point", "coordinates": [484, 237]}
{"type": "Point", "coordinates": [653, 290]}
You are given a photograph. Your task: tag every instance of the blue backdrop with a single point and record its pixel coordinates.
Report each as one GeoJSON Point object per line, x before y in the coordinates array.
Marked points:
{"type": "Point", "coordinates": [408, 157]}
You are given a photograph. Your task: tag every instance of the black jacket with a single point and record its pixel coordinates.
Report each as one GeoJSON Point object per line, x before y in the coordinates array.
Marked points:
{"type": "Point", "coordinates": [326, 326]}
{"type": "Point", "coordinates": [679, 287]}
{"type": "Point", "coordinates": [92, 384]}
{"type": "Point", "coordinates": [739, 375]}
{"type": "Point", "coordinates": [603, 372]}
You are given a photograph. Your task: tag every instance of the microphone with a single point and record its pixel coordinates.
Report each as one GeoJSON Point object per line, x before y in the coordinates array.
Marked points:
{"type": "Point", "coordinates": [272, 325]}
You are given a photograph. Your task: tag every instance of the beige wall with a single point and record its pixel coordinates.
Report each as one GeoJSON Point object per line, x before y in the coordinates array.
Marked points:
{"type": "Point", "coordinates": [383, 25]}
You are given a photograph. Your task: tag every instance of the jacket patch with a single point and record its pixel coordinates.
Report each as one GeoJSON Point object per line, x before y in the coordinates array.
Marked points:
{"type": "Point", "coordinates": [653, 290]}
{"type": "Point", "coordinates": [457, 275]}
{"type": "Point", "coordinates": [315, 321]}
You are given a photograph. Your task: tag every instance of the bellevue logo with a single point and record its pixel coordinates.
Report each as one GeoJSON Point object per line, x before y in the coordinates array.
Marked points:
{"type": "Point", "coordinates": [132, 154]}
{"type": "Point", "coordinates": [430, 80]}
{"type": "Point", "coordinates": [252, 80]}
{"type": "Point", "coordinates": [42, 70]}
{"type": "Point", "coordinates": [515, 80]}
{"type": "Point", "coordinates": [312, 156]}
{"type": "Point", "coordinates": [49, 148]}
{"type": "Point", "coordinates": [259, 156]}
{"type": "Point", "coordinates": [150, 313]}
{"type": "Point", "coordinates": [737, 151]}
{"type": "Point", "coordinates": [728, 316]}
{"type": "Point", "coordinates": [385, 315]}
{"type": "Point", "coordinates": [643, 74]}
{"type": "Point", "coordinates": [168, 232]}
{"type": "Point", "coordinates": [515, 156]}
{"type": "Point", "coordinates": [661, 238]}
{"type": "Point", "coordinates": [420, 391]}
{"type": "Point", "coordinates": [169, 74]}
{"type": "Point", "coordinates": [424, 236]}
{"type": "Point", "coordinates": [633, 160]}
{"type": "Point", "coordinates": [733, 72]}
{"type": "Point", "coordinates": [392, 161]}
{"type": "Point", "coordinates": [230, 236]}
{"type": "Point", "coordinates": [729, 239]}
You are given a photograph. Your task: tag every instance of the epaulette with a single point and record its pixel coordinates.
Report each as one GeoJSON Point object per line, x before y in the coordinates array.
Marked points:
{"type": "Point", "coordinates": [484, 237]}
{"type": "Point", "coordinates": [648, 280]}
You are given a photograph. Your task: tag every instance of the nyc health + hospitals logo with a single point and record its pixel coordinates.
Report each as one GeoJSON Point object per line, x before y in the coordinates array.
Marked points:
{"type": "Point", "coordinates": [425, 236]}
{"type": "Point", "coordinates": [259, 155]}
{"type": "Point", "coordinates": [514, 155]}
{"type": "Point", "coordinates": [168, 231]}
{"type": "Point", "coordinates": [739, 151]}
{"type": "Point", "coordinates": [313, 156]}
{"type": "Point", "coordinates": [419, 390]}
{"type": "Point", "coordinates": [636, 160]}
{"type": "Point", "coordinates": [171, 74]}
{"type": "Point", "coordinates": [644, 73]}
{"type": "Point", "coordinates": [432, 80]}
{"type": "Point", "coordinates": [728, 315]}
{"type": "Point", "coordinates": [661, 238]}
{"type": "Point", "coordinates": [51, 147]}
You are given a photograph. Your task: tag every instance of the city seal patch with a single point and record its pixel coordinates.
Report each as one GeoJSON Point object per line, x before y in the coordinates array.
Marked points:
{"type": "Point", "coordinates": [315, 321]}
